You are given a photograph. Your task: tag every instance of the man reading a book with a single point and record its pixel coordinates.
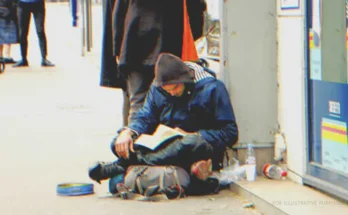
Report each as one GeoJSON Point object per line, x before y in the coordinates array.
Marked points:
{"type": "Point", "coordinates": [188, 98]}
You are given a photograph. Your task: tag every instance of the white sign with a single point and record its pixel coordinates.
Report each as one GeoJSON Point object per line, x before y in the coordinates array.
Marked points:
{"type": "Point", "coordinates": [334, 107]}
{"type": "Point", "coordinates": [289, 4]}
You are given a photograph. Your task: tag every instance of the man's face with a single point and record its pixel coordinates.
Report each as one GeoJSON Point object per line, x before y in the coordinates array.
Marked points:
{"type": "Point", "coordinates": [174, 89]}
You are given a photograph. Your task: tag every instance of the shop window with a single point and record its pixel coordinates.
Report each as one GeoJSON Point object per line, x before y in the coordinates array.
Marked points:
{"type": "Point", "coordinates": [208, 46]}
{"type": "Point", "coordinates": [328, 86]}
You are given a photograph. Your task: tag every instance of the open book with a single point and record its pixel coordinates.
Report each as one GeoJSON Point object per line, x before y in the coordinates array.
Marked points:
{"type": "Point", "coordinates": [161, 134]}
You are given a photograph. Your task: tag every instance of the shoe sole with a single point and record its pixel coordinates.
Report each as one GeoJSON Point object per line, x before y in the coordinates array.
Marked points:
{"type": "Point", "coordinates": [202, 169]}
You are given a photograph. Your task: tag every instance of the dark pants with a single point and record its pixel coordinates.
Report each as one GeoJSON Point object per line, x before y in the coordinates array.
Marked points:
{"type": "Point", "coordinates": [182, 152]}
{"type": "Point", "coordinates": [138, 84]}
{"type": "Point", "coordinates": [24, 13]}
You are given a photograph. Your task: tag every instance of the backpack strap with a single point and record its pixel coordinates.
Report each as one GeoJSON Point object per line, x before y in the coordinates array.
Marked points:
{"type": "Point", "coordinates": [127, 194]}
{"type": "Point", "coordinates": [161, 180]}
{"type": "Point", "coordinates": [177, 182]}
{"type": "Point", "coordinates": [138, 185]}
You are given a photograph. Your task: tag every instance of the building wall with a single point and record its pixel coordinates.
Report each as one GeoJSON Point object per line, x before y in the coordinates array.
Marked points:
{"type": "Point", "coordinates": [263, 63]}
{"type": "Point", "coordinates": [292, 86]}
{"type": "Point", "coordinates": [248, 61]}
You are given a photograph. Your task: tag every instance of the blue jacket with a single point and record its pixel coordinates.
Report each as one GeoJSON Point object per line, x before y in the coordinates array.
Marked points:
{"type": "Point", "coordinates": [204, 107]}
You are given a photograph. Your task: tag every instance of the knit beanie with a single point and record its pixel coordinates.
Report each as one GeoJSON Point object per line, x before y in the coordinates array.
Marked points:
{"type": "Point", "coordinates": [170, 69]}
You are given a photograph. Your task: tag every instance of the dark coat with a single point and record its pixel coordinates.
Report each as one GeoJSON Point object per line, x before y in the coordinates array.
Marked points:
{"type": "Point", "coordinates": [205, 108]}
{"type": "Point", "coordinates": [142, 30]}
{"type": "Point", "coordinates": [109, 72]}
{"type": "Point", "coordinates": [9, 32]}
{"type": "Point", "coordinates": [11, 5]}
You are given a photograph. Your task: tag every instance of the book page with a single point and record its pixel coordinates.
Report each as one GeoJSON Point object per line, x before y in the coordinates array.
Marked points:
{"type": "Point", "coordinates": [161, 134]}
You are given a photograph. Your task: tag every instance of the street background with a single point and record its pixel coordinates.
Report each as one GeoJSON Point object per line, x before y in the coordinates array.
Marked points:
{"type": "Point", "coordinates": [55, 122]}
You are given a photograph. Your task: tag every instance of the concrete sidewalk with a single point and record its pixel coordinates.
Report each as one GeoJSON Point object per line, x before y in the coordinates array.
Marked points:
{"type": "Point", "coordinates": [54, 122]}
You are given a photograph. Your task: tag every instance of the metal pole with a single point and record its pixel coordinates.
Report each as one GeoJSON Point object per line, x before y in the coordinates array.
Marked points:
{"type": "Point", "coordinates": [90, 24]}
{"type": "Point", "coordinates": [82, 9]}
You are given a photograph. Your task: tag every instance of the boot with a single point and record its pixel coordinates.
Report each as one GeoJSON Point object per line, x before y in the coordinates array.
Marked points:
{"type": "Point", "coordinates": [101, 170]}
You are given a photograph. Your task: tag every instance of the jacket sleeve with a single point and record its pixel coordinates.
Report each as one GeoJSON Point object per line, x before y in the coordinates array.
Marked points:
{"type": "Point", "coordinates": [225, 131]}
{"type": "Point", "coordinates": [118, 17]}
{"type": "Point", "coordinates": [147, 118]}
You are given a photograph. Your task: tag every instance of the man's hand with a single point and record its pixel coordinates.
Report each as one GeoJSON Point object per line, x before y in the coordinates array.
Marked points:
{"type": "Point", "coordinates": [117, 59]}
{"type": "Point", "coordinates": [124, 143]}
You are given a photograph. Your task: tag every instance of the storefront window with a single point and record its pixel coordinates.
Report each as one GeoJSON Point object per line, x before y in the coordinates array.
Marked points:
{"type": "Point", "coordinates": [328, 90]}
{"type": "Point", "coordinates": [208, 46]}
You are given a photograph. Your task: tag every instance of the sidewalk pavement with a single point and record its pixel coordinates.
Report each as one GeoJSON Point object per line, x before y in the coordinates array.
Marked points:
{"type": "Point", "coordinates": [54, 122]}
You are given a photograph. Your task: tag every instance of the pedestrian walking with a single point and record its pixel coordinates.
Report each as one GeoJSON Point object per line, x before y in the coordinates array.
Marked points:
{"type": "Point", "coordinates": [8, 29]}
{"type": "Point", "coordinates": [24, 9]}
{"type": "Point", "coordinates": [140, 32]}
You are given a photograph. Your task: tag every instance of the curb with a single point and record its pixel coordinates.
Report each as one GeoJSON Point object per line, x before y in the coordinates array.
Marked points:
{"type": "Point", "coordinates": [261, 205]}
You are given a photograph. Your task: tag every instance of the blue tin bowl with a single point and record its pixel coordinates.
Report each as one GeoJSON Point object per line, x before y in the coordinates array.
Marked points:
{"type": "Point", "coordinates": [75, 189]}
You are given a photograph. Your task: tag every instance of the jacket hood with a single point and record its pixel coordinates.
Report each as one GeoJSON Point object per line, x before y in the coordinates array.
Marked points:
{"type": "Point", "coordinates": [170, 69]}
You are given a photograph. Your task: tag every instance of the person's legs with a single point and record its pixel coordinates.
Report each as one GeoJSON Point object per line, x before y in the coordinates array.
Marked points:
{"type": "Point", "coordinates": [181, 152]}
{"type": "Point", "coordinates": [7, 54]}
{"type": "Point", "coordinates": [39, 18]}
{"type": "Point", "coordinates": [114, 181]}
{"type": "Point", "coordinates": [138, 84]}
{"type": "Point", "coordinates": [1, 51]}
{"type": "Point", "coordinates": [7, 50]}
{"type": "Point", "coordinates": [2, 63]}
{"type": "Point", "coordinates": [24, 12]}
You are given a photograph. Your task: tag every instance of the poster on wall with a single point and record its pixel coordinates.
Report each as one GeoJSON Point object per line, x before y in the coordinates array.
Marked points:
{"type": "Point", "coordinates": [347, 30]}
{"type": "Point", "coordinates": [334, 144]}
{"type": "Point", "coordinates": [315, 42]}
{"type": "Point", "coordinates": [329, 120]}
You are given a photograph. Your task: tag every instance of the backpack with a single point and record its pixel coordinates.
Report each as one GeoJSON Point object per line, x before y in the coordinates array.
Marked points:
{"type": "Point", "coordinates": [153, 183]}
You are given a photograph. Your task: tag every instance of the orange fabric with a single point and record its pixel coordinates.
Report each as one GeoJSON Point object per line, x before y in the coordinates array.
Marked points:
{"type": "Point", "coordinates": [189, 52]}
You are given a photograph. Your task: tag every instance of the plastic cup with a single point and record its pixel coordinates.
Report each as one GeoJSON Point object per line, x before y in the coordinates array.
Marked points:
{"type": "Point", "coordinates": [250, 170]}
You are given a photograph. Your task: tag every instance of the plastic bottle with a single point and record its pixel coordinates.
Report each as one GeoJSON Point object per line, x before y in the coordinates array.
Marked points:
{"type": "Point", "coordinates": [250, 163]}
{"type": "Point", "coordinates": [274, 172]}
{"type": "Point", "coordinates": [232, 173]}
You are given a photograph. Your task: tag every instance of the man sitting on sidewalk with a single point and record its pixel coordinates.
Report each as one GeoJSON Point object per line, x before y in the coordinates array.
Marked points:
{"type": "Point", "coordinates": [186, 97]}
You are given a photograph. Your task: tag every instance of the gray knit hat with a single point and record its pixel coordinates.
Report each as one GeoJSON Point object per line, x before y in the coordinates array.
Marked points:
{"type": "Point", "coordinates": [170, 69]}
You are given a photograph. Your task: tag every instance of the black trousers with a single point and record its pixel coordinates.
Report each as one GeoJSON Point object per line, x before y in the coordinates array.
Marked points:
{"type": "Point", "coordinates": [182, 152]}
{"type": "Point", "coordinates": [24, 12]}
